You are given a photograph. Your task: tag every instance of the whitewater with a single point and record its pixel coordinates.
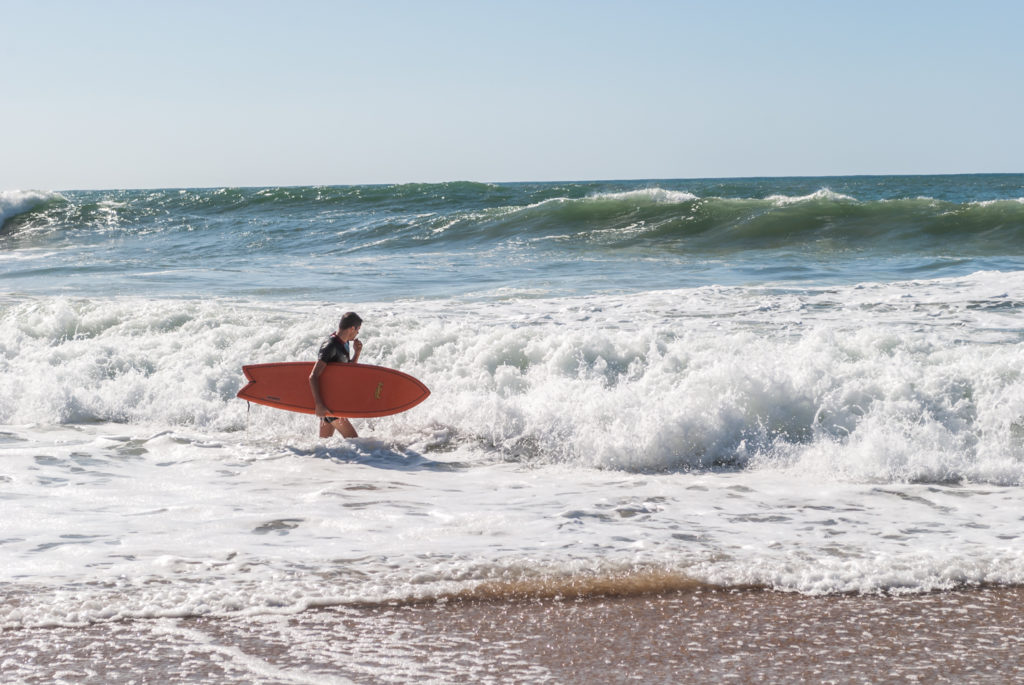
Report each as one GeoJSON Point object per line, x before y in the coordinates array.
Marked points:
{"type": "Point", "coordinates": [807, 385]}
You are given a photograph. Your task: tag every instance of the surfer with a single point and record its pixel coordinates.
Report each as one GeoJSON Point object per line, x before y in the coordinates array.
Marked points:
{"type": "Point", "coordinates": [336, 349]}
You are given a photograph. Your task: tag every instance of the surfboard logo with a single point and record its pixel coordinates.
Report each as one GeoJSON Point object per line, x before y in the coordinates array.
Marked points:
{"type": "Point", "coordinates": [380, 386]}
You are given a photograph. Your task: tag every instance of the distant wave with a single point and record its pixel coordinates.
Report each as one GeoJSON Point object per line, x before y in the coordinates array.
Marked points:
{"type": "Point", "coordinates": [15, 202]}
{"type": "Point", "coordinates": [453, 216]}
{"type": "Point", "coordinates": [677, 221]}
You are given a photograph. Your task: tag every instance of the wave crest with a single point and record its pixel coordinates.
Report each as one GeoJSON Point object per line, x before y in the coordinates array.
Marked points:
{"type": "Point", "coordinates": [16, 202]}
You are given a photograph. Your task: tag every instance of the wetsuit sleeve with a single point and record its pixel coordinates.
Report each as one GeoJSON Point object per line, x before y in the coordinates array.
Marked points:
{"type": "Point", "coordinates": [326, 353]}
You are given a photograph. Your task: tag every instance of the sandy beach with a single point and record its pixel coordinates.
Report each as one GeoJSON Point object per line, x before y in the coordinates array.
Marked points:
{"type": "Point", "coordinates": [700, 637]}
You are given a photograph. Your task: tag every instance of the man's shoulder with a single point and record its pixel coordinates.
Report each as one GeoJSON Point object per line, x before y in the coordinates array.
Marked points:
{"type": "Point", "coordinates": [332, 348]}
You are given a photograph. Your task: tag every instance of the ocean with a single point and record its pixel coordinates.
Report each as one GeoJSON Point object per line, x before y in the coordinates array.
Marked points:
{"type": "Point", "coordinates": [644, 394]}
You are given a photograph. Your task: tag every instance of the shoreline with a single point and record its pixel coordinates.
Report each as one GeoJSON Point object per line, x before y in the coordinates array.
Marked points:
{"type": "Point", "coordinates": [974, 635]}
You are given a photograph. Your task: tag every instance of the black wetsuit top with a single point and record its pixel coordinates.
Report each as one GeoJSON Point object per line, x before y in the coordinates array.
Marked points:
{"type": "Point", "coordinates": [334, 350]}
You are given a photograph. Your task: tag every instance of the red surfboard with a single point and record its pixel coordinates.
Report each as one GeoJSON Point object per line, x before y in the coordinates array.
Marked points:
{"type": "Point", "coordinates": [357, 391]}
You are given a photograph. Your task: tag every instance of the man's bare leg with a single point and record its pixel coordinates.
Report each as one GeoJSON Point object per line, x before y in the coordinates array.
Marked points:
{"type": "Point", "coordinates": [343, 426]}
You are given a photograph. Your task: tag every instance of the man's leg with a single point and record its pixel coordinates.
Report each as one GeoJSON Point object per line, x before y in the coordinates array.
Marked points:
{"type": "Point", "coordinates": [345, 428]}
{"type": "Point", "coordinates": [329, 425]}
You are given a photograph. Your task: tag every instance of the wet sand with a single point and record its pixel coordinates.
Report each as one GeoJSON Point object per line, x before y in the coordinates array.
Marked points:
{"type": "Point", "coordinates": [704, 636]}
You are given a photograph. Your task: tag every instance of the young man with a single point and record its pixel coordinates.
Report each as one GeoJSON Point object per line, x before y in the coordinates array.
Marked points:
{"type": "Point", "coordinates": [336, 349]}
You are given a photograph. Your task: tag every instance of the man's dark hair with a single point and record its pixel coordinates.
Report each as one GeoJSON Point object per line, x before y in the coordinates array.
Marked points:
{"type": "Point", "coordinates": [349, 320]}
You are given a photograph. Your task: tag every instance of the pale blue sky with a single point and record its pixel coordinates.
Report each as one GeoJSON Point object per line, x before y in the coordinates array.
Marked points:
{"type": "Point", "coordinates": [119, 94]}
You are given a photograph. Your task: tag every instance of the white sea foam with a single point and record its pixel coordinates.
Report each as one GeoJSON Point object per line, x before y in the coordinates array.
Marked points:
{"type": "Point", "coordinates": [844, 439]}
{"type": "Point", "coordinates": [656, 195]}
{"type": "Point", "coordinates": [644, 196]}
{"type": "Point", "coordinates": [649, 382]}
{"type": "Point", "coordinates": [996, 203]}
{"type": "Point", "coordinates": [823, 194]}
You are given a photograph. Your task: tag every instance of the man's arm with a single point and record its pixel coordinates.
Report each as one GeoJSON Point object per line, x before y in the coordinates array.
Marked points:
{"type": "Point", "coordinates": [314, 385]}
